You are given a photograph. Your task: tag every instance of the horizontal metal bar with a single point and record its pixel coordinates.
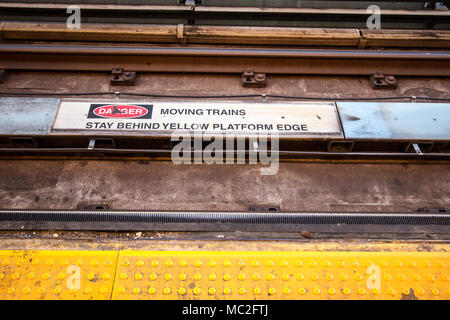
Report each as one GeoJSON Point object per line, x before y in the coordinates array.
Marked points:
{"type": "Point", "coordinates": [280, 152]}
{"type": "Point", "coordinates": [202, 60]}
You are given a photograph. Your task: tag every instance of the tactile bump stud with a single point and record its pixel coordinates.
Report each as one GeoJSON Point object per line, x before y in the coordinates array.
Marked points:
{"type": "Point", "coordinates": [242, 291]}
{"type": "Point", "coordinates": [138, 276]}
{"type": "Point", "coordinates": [256, 291]}
{"type": "Point", "coordinates": [153, 276]}
{"type": "Point", "coordinates": [125, 262]}
{"type": "Point", "coordinates": [329, 276]}
{"type": "Point", "coordinates": [136, 290]}
{"type": "Point", "coordinates": [387, 277]}
{"type": "Point", "coordinates": [346, 291]}
{"type": "Point", "coordinates": [103, 290]}
{"type": "Point", "coordinates": [94, 263]}
{"type": "Point", "coordinates": [15, 276]}
{"type": "Point", "coordinates": [313, 264]}
{"type": "Point", "coordinates": [154, 263]}
{"type": "Point", "coordinates": [391, 291]}
{"type": "Point", "coordinates": [212, 291]}
{"type": "Point", "coordinates": [287, 291]}
{"type": "Point", "coordinates": [79, 262]}
{"type": "Point", "coordinates": [91, 276]}
{"type": "Point", "coordinates": [401, 277]}
{"type": "Point", "coordinates": [341, 264]}
{"type": "Point", "coordinates": [197, 291]}
{"type": "Point", "coordinates": [332, 291]}
{"type": "Point", "coordinates": [5, 263]}
{"type": "Point", "coordinates": [420, 292]}
{"type": "Point", "coordinates": [106, 276]}
{"type": "Point", "coordinates": [226, 277]}
{"type": "Point", "coordinates": [343, 277]}
{"type": "Point", "coordinates": [241, 263]}
{"type": "Point", "coordinates": [316, 291]}
{"type": "Point", "coordinates": [197, 276]}
{"type": "Point", "coordinates": [256, 277]}
{"type": "Point", "coordinates": [169, 263]}
{"type": "Point", "coordinates": [405, 291]}
{"type": "Point", "coordinates": [46, 276]}
{"type": "Point", "coordinates": [327, 264]}
{"type": "Point", "coordinates": [123, 276]}
{"type": "Point", "coordinates": [272, 291]}
{"type": "Point", "coordinates": [140, 263]}
{"type": "Point", "coordinates": [183, 277]}
{"type": "Point", "coordinates": [270, 263]}
{"type": "Point", "coordinates": [435, 291]}
{"type": "Point", "coordinates": [2, 276]}
{"type": "Point", "coordinates": [361, 291]}
{"type": "Point", "coordinates": [376, 291]}
{"type": "Point", "coordinates": [60, 276]}
{"type": "Point", "coordinates": [108, 262]}
{"type": "Point", "coordinates": [19, 262]}
{"type": "Point", "coordinates": [314, 277]}
{"type": "Point", "coordinates": [241, 276]}
{"type": "Point", "coordinates": [255, 263]}
{"type": "Point", "coordinates": [26, 290]}
{"type": "Point", "coordinates": [212, 277]}
{"type": "Point", "coordinates": [227, 291]}
{"type": "Point", "coordinates": [167, 291]}
{"type": "Point", "coordinates": [416, 277]}
{"type": "Point", "coordinates": [151, 291]}
{"type": "Point", "coordinates": [168, 276]}
{"type": "Point", "coordinates": [64, 262]}
{"type": "Point", "coordinates": [298, 263]}
{"type": "Point", "coordinates": [285, 277]}
{"type": "Point", "coordinates": [10, 290]}
{"type": "Point", "coordinates": [182, 291]}
{"type": "Point", "coordinates": [197, 263]}
{"type": "Point", "coordinates": [445, 277]}
{"type": "Point", "coordinates": [301, 291]}
{"type": "Point", "coordinates": [227, 263]}
{"type": "Point", "coordinates": [212, 263]}
{"type": "Point", "coordinates": [183, 263]}
{"type": "Point", "coordinates": [300, 277]}
{"type": "Point", "coordinates": [87, 290]}
{"type": "Point", "coordinates": [42, 290]}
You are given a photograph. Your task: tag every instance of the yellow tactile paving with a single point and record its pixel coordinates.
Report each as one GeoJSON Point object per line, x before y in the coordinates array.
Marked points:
{"type": "Point", "coordinates": [90, 274]}
{"type": "Point", "coordinates": [282, 275]}
{"type": "Point", "coordinates": [56, 274]}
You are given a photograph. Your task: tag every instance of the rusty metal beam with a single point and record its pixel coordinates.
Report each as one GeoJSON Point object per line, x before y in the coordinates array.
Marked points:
{"type": "Point", "coordinates": [219, 60]}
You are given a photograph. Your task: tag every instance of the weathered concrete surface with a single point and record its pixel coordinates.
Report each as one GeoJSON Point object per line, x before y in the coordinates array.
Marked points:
{"type": "Point", "coordinates": [157, 185]}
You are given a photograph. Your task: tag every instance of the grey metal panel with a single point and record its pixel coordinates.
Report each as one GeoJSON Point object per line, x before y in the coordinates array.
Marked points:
{"type": "Point", "coordinates": [27, 116]}
{"type": "Point", "coordinates": [400, 121]}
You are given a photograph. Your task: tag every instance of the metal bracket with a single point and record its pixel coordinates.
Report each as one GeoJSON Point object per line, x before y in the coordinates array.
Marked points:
{"type": "Point", "coordinates": [380, 81]}
{"type": "Point", "coordinates": [118, 76]}
{"type": "Point", "coordinates": [101, 143]}
{"type": "Point", "coordinates": [190, 2]}
{"type": "Point", "coordinates": [252, 79]}
{"type": "Point", "coordinates": [258, 208]}
{"type": "Point", "coordinates": [340, 146]}
{"type": "Point", "coordinates": [419, 147]}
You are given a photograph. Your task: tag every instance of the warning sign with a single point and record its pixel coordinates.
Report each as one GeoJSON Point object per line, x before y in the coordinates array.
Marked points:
{"type": "Point", "coordinates": [165, 118]}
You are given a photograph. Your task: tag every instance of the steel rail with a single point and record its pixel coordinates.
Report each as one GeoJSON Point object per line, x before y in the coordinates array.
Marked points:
{"type": "Point", "coordinates": [246, 152]}
{"type": "Point", "coordinates": [189, 14]}
{"type": "Point", "coordinates": [214, 60]}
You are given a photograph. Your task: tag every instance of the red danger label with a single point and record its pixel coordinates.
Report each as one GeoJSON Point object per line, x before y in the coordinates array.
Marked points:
{"type": "Point", "coordinates": [120, 111]}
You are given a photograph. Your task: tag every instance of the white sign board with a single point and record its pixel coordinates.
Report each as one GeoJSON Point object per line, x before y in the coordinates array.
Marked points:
{"type": "Point", "coordinates": [164, 118]}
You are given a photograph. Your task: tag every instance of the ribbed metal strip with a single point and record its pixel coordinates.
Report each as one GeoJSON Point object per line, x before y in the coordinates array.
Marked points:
{"type": "Point", "coordinates": [228, 217]}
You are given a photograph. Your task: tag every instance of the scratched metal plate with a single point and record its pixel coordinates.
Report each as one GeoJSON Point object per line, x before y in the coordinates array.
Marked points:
{"type": "Point", "coordinates": [27, 116]}
{"type": "Point", "coordinates": [398, 121]}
